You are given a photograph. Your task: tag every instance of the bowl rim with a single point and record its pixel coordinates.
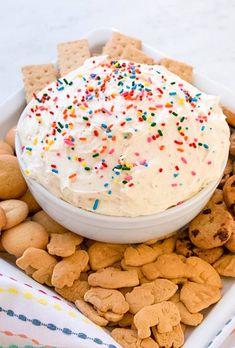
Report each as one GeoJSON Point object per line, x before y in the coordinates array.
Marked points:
{"type": "Point", "coordinates": [110, 218]}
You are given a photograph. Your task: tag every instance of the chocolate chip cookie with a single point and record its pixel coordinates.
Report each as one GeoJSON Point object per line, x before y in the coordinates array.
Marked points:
{"type": "Point", "coordinates": [217, 199]}
{"type": "Point", "coordinates": [230, 245]}
{"type": "Point", "coordinates": [227, 172]}
{"type": "Point", "coordinates": [185, 247]}
{"type": "Point", "coordinates": [232, 144]}
{"type": "Point", "coordinates": [229, 192]}
{"type": "Point", "coordinates": [211, 228]}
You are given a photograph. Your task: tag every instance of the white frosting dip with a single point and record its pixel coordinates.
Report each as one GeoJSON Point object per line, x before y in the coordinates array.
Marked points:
{"type": "Point", "coordinates": [124, 139]}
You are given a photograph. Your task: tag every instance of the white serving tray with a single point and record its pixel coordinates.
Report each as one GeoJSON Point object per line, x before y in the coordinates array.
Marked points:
{"type": "Point", "coordinates": [220, 320]}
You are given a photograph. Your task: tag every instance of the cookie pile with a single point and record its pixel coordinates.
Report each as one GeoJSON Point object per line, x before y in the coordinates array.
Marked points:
{"type": "Point", "coordinates": [147, 294]}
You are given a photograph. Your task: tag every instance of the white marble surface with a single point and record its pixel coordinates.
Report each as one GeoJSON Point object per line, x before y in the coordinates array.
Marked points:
{"type": "Point", "coordinates": [198, 32]}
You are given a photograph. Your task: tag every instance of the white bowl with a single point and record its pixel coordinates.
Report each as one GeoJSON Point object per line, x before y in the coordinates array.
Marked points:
{"type": "Point", "coordinates": [116, 229]}
{"type": "Point", "coordinates": [124, 229]}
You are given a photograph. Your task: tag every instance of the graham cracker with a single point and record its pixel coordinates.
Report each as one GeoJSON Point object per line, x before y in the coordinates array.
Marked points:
{"type": "Point", "coordinates": [95, 54]}
{"type": "Point", "coordinates": [71, 55]}
{"type": "Point", "coordinates": [135, 55]}
{"type": "Point", "coordinates": [37, 77]}
{"type": "Point", "coordinates": [183, 70]}
{"type": "Point", "coordinates": [230, 116]}
{"type": "Point", "coordinates": [115, 46]}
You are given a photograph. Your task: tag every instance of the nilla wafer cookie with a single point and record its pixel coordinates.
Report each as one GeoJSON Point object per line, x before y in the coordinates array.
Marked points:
{"type": "Point", "coordinates": [12, 183]}
{"type": "Point", "coordinates": [5, 149]}
{"type": "Point", "coordinates": [10, 138]}
{"type": "Point", "coordinates": [3, 219]}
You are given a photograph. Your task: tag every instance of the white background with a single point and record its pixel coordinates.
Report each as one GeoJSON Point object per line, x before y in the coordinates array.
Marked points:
{"type": "Point", "coordinates": [198, 32]}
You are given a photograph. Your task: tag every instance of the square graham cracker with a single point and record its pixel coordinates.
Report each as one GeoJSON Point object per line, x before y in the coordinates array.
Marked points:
{"type": "Point", "coordinates": [37, 77]}
{"type": "Point", "coordinates": [118, 42]}
{"type": "Point", "coordinates": [135, 55]}
{"type": "Point", "coordinates": [71, 55]}
{"type": "Point", "coordinates": [184, 71]}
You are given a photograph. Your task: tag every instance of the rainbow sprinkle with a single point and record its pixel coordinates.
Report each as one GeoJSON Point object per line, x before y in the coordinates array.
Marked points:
{"type": "Point", "coordinates": [116, 103]}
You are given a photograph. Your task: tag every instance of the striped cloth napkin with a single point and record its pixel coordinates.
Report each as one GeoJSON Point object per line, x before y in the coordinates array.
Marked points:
{"type": "Point", "coordinates": [33, 316]}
